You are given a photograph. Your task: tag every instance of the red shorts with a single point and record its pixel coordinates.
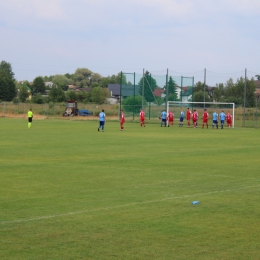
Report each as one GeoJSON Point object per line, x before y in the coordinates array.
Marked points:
{"type": "Point", "coordinates": [170, 119]}
{"type": "Point", "coordinates": [122, 121]}
{"type": "Point", "coordinates": [205, 121]}
{"type": "Point", "coordinates": [142, 119]}
{"type": "Point", "coordinates": [229, 122]}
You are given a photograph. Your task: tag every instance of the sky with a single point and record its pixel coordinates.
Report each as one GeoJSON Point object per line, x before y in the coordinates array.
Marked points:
{"type": "Point", "coordinates": [190, 38]}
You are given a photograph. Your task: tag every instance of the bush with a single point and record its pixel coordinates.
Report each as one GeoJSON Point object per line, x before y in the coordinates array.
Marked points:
{"type": "Point", "coordinates": [16, 101]}
{"type": "Point", "coordinates": [38, 99]}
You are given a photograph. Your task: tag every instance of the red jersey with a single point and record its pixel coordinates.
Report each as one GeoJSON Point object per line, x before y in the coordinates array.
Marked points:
{"type": "Point", "coordinates": [142, 115]}
{"type": "Point", "coordinates": [205, 116]}
{"type": "Point", "coordinates": [229, 117]}
{"type": "Point", "coordinates": [188, 114]}
{"type": "Point", "coordinates": [122, 117]}
{"type": "Point", "coordinates": [170, 116]}
{"type": "Point", "coordinates": [195, 116]}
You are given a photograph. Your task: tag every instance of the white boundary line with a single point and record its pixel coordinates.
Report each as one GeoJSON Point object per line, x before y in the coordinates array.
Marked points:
{"type": "Point", "coordinates": [120, 206]}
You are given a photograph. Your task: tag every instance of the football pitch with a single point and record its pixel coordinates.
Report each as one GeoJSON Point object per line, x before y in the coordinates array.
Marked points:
{"type": "Point", "coordinates": [70, 192]}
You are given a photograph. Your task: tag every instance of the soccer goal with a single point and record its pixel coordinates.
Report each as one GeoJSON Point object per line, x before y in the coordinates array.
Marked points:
{"type": "Point", "coordinates": [177, 106]}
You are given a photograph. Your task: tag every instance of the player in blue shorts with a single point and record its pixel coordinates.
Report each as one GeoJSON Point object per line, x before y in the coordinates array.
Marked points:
{"type": "Point", "coordinates": [164, 118]}
{"type": "Point", "coordinates": [222, 117]}
{"type": "Point", "coordinates": [102, 120]}
{"type": "Point", "coordinates": [215, 120]}
{"type": "Point", "coordinates": [181, 118]}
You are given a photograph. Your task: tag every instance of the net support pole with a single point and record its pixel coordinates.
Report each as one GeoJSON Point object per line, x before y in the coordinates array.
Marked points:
{"type": "Point", "coordinates": [143, 92]}
{"type": "Point", "coordinates": [192, 91]}
{"type": "Point", "coordinates": [181, 86]}
{"type": "Point", "coordinates": [120, 95]}
{"type": "Point", "coordinates": [134, 99]}
{"type": "Point", "coordinates": [233, 116]}
{"type": "Point", "coordinates": [167, 91]}
{"type": "Point", "coordinates": [204, 87]}
{"type": "Point", "coordinates": [244, 119]}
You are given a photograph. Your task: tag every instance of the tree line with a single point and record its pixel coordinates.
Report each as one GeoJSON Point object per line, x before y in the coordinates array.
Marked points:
{"type": "Point", "coordinates": [95, 90]}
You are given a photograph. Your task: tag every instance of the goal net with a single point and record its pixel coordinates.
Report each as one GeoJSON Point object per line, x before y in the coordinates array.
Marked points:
{"type": "Point", "coordinates": [177, 106]}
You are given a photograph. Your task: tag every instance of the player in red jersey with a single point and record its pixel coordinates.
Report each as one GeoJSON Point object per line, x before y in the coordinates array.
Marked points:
{"type": "Point", "coordinates": [142, 116]}
{"type": "Point", "coordinates": [195, 117]}
{"type": "Point", "coordinates": [170, 118]}
{"type": "Point", "coordinates": [205, 118]}
{"type": "Point", "coordinates": [229, 119]}
{"type": "Point", "coordinates": [188, 116]}
{"type": "Point", "coordinates": [122, 120]}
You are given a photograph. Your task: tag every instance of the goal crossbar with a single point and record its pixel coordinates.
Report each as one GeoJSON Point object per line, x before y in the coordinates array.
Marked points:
{"type": "Point", "coordinates": [204, 103]}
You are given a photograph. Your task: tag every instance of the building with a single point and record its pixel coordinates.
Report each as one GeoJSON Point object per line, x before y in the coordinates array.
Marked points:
{"type": "Point", "coordinates": [159, 92]}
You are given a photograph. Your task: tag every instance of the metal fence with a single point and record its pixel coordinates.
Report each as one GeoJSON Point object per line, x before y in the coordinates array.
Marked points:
{"type": "Point", "coordinates": [247, 117]}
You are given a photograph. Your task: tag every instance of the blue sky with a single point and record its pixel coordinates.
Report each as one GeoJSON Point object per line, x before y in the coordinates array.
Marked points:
{"type": "Point", "coordinates": [58, 36]}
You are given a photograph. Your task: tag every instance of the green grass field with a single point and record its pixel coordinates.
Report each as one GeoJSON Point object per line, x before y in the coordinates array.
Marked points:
{"type": "Point", "coordinates": [71, 192]}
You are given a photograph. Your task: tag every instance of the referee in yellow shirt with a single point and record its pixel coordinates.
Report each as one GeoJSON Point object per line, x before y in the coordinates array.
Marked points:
{"type": "Point", "coordinates": [30, 117]}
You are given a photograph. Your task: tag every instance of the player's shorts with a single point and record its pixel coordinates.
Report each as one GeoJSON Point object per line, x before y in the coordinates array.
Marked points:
{"type": "Point", "coordinates": [170, 119]}
{"type": "Point", "coordinates": [194, 120]}
{"type": "Point", "coordinates": [222, 122]}
{"type": "Point", "coordinates": [205, 121]}
{"type": "Point", "coordinates": [142, 119]}
{"type": "Point", "coordinates": [229, 122]}
{"type": "Point", "coordinates": [101, 123]}
{"type": "Point", "coordinates": [163, 119]}
{"type": "Point", "coordinates": [215, 122]}
{"type": "Point", "coordinates": [30, 119]}
{"type": "Point", "coordinates": [181, 119]}
{"type": "Point", "coordinates": [122, 121]}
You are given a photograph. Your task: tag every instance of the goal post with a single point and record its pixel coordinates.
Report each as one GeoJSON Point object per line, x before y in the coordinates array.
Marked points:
{"type": "Point", "coordinates": [177, 106]}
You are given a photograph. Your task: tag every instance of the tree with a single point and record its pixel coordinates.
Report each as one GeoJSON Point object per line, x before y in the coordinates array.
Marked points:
{"type": "Point", "coordinates": [84, 96]}
{"type": "Point", "coordinates": [7, 82]}
{"type": "Point", "coordinates": [61, 81]}
{"type": "Point", "coordinates": [7, 87]}
{"type": "Point", "coordinates": [38, 85]}
{"type": "Point", "coordinates": [199, 97]}
{"type": "Point", "coordinates": [114, 79]}
{"type": "Point", "coordinates": [234, 92]}
{"type": "Point", "coordinates": [132, 104]}
{"type": "Point", "coordinates": [56, 94]}
{"type": "Point", "coordinates": [171, 89]}
{"type": "Point", "coordinates": [159, 100]}
{"type": "Point", "coordinates": [83, 76]}
{"type": "Point", "coordinates": [199, 86]}
{"type": "Point", "coordinates": [23, 93]}
{"type": "Point", "coordinates": [71, 95]}
{"type": "Point", "coordinates": [150, 85]}
{"type": "Point", "coordinates": [6, 68]}
{"type": "Point", "coordinates": [218, 93]}
{"type": "Point", "coordinates": [257, 77]}
{"type": "Point", "coordinates": [99, 95]}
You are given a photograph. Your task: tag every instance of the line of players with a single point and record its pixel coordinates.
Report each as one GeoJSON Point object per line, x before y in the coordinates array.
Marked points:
{"type": "Point", "coordinates": [168, 119]}
{"type": "Point", "coordinates": [194, 116]}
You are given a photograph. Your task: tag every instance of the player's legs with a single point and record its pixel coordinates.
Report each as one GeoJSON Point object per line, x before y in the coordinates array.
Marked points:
{"type": "Point", "coordinates": [164, 122]}
{"type": "Point", "coordinates": [29, 122]}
